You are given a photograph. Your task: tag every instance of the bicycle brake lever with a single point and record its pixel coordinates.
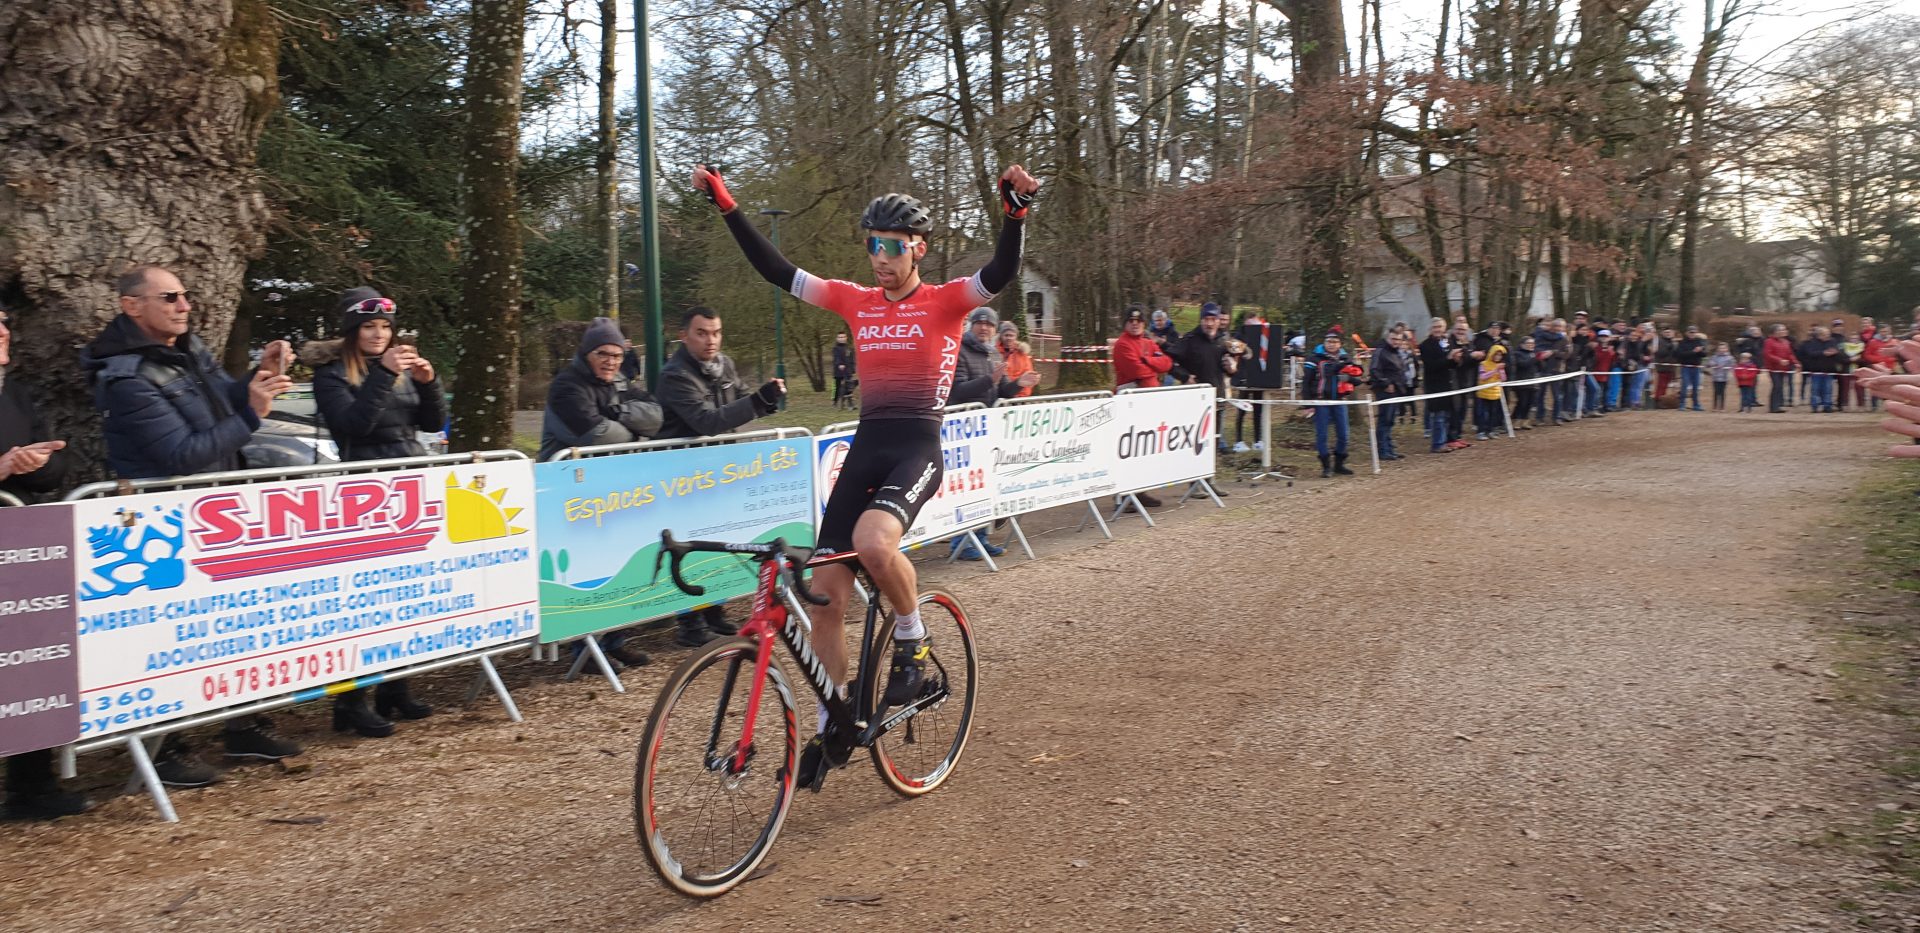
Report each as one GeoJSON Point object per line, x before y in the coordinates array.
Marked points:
{"type": "Point", "coordinates": [799, 582]}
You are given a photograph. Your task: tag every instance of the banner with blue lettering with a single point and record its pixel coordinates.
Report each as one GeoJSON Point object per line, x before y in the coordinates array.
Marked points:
{"type": "Point", "coordinates": [965, 496]}
{"type": "Point", "coordinates": [601, 518]}
{"type": "Point", "coordinates": [1052, 453]}
{"type": "Point", "coordinates": [197, 600]}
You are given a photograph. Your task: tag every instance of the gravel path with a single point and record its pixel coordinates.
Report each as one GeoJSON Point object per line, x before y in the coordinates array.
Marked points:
{"type": "Point", "coordinates": [1544, 684]}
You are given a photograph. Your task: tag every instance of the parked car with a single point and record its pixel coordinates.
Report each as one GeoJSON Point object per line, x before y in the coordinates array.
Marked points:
{"type": "Point", "coordinates": [293, 434]}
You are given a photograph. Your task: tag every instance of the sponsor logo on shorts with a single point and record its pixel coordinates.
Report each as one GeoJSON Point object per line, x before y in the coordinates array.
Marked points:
{"type": "Point", "coordinates": [920, 485]}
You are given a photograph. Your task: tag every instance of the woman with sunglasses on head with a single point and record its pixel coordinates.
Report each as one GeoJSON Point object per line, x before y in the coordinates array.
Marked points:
{"type": "Point", "coordinates": [375, 394]}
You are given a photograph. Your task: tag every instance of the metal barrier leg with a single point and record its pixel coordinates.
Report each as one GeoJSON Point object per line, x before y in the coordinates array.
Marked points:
{"type": "Point", "coordinates": [143, 767]}
{"type": "Point", "coordinates": [67, 757]}
{"type": "Point", "coordinates": [1373, 434]}
{"type": "Point", "coordinates": [579, 663]}
{"type": "Point", "coordinates": [1093, 508]}
{"type": "Point", "coordinates": [599, 657]}
{"type": "Point", "coordinates": [1134, 498]}
{"type": "Point", "coordinates": [1205, 486]}
{"type": "Point", "coordinates": [1021, 536]}
{"type": "Point", "coordinates": [980, 541]}
{"type": "Point", "coordinates": [1506, 413]}
{"type": "Point", "coordinates": [499, 688]}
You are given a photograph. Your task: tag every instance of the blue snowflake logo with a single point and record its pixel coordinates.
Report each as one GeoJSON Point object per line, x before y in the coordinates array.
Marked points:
{"type": "Point", "coordinates": [129, 554]}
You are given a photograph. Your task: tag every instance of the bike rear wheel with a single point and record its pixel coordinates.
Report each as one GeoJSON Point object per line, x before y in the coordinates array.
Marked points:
{"type": "Point", "coordinates": [919, 755]}
{"type": "Point", "coordinates": [704, 822]}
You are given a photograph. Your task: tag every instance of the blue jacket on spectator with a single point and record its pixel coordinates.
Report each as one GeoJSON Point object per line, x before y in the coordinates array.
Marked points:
{"type": "Point", "coordinates": [170, 410]}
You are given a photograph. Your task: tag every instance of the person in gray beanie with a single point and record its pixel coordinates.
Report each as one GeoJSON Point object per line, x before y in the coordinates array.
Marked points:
{"type": "Point", "coordinates": [980, 373]}
{"type": "Point", "coordinates": [589, 404]}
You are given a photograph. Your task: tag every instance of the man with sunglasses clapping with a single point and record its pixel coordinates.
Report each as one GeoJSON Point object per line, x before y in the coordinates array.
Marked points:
{"type": "Point", "coordinates": [906, 335]}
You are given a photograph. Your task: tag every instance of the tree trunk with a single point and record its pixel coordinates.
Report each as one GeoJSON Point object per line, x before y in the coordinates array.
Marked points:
{"type": "Point", "coordinates": [606, 173]}
{"type": "Point", "coordinates": [128, 137]}
{"type": "Point", "coordinates": [1320, 44]}
{"type": "Point", "coordinates": [484, 392]}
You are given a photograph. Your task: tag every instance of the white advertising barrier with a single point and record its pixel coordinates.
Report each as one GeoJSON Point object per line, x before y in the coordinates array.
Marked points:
{"type": "Point", "coordinates": [195, 600]}
{"type": "Point", "coordinates": [1164, 436]}
{"type": "Point", "coordinates": [1046, 454]}
{"type": "Point", "coordinates": [965, 497]}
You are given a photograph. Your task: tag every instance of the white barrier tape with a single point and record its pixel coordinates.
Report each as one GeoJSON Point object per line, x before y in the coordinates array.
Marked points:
{"type": "Point", "coordinates": [1401, 399]}
{"type": "Point", "coordinates": [1102, 362]}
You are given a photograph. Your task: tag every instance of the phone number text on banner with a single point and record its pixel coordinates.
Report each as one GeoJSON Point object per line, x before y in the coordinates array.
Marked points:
{"type": "Point", "coordinates": [201, 599]}
{"type": "Point", "coordinates": [601, 518]}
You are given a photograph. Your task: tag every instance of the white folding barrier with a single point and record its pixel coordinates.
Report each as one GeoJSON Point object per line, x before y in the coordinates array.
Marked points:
{"type": "Point", "coordinates": [603, 509]}
{"type": "Point", "coordinates": [205, 598]}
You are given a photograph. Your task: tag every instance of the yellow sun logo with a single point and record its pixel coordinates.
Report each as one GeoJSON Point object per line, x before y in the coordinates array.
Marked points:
{"type": "Point", "coordinates": [476, 515]}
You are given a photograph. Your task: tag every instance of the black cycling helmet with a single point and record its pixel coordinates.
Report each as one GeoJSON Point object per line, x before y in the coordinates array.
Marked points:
{"type": "Point", "coordinates": [897, 213]}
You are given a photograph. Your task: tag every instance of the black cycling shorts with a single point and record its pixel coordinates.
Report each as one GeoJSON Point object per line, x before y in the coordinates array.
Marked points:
{"type": "Point", "coordinates": [894, 465]}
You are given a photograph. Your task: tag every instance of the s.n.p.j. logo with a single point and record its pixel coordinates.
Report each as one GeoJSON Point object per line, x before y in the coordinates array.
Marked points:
{"type": "Point", "coordinates": [254, 530]}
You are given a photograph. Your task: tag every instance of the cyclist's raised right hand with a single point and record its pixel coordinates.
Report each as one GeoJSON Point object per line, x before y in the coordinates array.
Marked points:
{"type": "Point", "coordinates": [715, 187]}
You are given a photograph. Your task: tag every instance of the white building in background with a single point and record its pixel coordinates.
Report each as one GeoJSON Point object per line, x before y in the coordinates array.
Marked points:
{"type": "Point", "coordinates": [1796, 277]}
{"type": "Point", "coordinates": [1390, 294]}
{"type": "Point", "coordinates": [1040, 298]}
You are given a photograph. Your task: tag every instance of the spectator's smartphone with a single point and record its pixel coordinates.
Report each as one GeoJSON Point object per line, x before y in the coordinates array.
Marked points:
{"type": "Point", "coordinates": [406, 338]}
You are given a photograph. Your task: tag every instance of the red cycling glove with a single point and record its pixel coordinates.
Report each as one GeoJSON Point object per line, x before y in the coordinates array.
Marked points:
{"type": "Point", "coordinates": [1015, 202]}
{"type": "Point", "coordinates": [716, 188]}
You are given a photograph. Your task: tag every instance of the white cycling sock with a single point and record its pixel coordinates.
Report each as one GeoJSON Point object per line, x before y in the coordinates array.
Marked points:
{"type": "Point", "coordinates": [907, 625]}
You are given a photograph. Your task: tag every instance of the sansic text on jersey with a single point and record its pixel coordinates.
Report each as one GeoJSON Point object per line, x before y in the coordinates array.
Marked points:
{"type": "Point", "coordinates": [907, 348]}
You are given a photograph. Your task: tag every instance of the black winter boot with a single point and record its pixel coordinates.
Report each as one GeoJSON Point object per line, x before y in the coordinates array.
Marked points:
{"type": "Point", "coordinates": [716, 621]}
{"type": "Point", "coordinates": [33, 793]}
{"type": "Point", "coordinates": [1340, 465]}
{"type": "Point", "coordinates": [351, 713]}
{"type": "Point", "coordinates": [1326, 468]}
{"type": "Point", "coordinates": [693, 631]}
{"type": "Point", "coordinates": [395, 698]}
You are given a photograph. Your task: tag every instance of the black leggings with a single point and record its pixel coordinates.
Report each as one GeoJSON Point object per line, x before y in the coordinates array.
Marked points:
{"type": "Point", "coordinates": [893, 465]}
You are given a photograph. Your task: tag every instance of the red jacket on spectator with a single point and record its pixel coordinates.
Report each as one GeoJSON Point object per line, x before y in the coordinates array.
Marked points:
{"type": "Point", "coordinates": [1746, 374]}
{"type": "Point", "coordinates": [1603, 360]}
{"type": "Point", "coordinates": [1777, 355]}
{"type": "Point", "coordinates": [1139, 361]}
{"type": "Point", "coordinates": [1878, 352]}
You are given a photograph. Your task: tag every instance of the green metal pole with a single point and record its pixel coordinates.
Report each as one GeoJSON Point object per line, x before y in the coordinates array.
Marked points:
{"type": "Point", "coordinates": [649, 215]}
{"type": "Point", "coordinates": [779, 314]}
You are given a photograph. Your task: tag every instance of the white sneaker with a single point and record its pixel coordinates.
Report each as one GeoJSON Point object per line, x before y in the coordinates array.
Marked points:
{"type": "Point", "coordinates": [1259, 445]}
{"type": "Point", "coordinates": [1240, 447]}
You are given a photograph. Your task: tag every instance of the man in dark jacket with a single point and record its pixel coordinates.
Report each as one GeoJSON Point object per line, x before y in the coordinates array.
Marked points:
{"type": "Point", "coordinates": [842, 369]}
{"type": "Point", "coordinates": [1202, 354]}
{"type": "Point", "coordinates": [978, 371]}
{"type": "Point", "coordinates": [1437, 355]}
{"type": "Point", "coordinates": [1391, 376]}
{"type": "Point", "coordinates": [1821, 359]}
{"type": "Point", "coordinates": [1550, 345]}
{"type": "Point", "coordinates": [701, 395]}
{"type": "Point", "coordinates": [172, 411]}
{"type": "Point", "coordinates": [1752, 341]}
{"type": "Point", "coordinates": [589, 404]}
{"type": "Point", "coordinates": [1690, 354]}
{"type": "Point", "coordinates": [1329, 374]}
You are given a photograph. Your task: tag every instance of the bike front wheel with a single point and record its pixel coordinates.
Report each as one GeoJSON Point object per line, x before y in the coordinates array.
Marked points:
{"type": "Point", "coordinates": [920, 754]}
{"type": "Point", "coordinates": [704, 818]}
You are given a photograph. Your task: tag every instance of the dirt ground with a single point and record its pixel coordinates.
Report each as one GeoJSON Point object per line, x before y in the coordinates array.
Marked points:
{"type": "Point", "coordinates": [1564, 682]}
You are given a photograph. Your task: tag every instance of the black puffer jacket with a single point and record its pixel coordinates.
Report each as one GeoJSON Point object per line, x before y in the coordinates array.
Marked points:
{"type": "Point", "coordinates": [973, 379]}
{"type": "Point", "coordinates": [170, 409]}
{"type": "Point", "coordinates": [20, 425]}
{"type": "Point", "coordinates": [379, 418]}
{"type": "Point", "coordinates": [695, 404]}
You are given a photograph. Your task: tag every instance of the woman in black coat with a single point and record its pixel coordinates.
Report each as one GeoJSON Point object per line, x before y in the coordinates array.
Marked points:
{"type": "Point", "coordinates": [374, 396]}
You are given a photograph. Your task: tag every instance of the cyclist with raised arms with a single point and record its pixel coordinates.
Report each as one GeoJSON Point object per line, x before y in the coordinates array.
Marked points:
{"type": "Point", "coordinates": [907, 337]}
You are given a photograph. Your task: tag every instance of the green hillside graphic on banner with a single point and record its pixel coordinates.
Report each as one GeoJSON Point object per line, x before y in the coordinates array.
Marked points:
{"type": "Point", "coordinates": [605, 515]}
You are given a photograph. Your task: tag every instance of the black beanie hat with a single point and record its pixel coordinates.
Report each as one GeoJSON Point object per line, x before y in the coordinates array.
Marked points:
{"type": "Point", "coordinates": [604, 331]}
{"type": "Point", "coordinates": [349, 321]}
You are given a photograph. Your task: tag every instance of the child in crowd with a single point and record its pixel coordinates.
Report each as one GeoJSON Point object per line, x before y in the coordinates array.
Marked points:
{"type": "Point", "coordinates": [1720, 368]}
{"type": "Point", "coordinates": [1493, 371]}
{"type": "Point", "coordinates": [1603, 356]}
{"type": "Point", "coordinates": [1746, 374]}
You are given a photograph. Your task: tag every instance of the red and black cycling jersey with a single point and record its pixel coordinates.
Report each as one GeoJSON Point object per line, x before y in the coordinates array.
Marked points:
{"type": "Point", "coordinates": [907, 349]}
